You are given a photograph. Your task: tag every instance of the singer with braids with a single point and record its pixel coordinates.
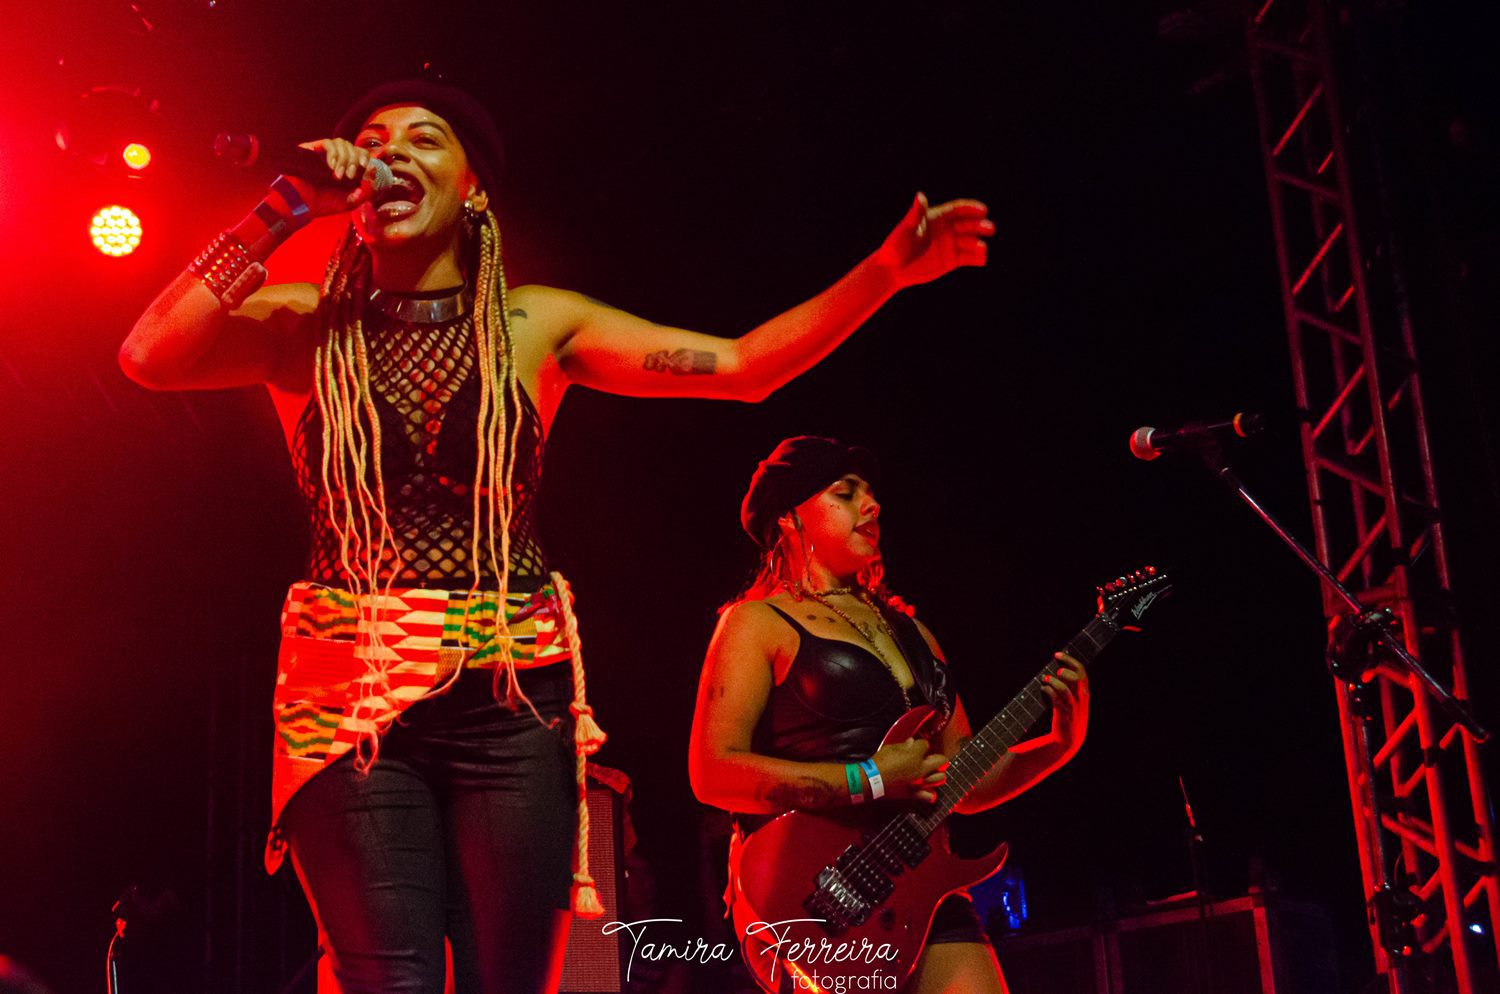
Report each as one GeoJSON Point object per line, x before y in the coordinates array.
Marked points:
{"type": "Point", "coordinates": [431, 719]}
{"type": "Point", "coordinates": [814, 663]}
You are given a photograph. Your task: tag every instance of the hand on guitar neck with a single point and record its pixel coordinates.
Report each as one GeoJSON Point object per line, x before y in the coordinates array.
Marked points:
{"type": "Point", "coordinates": [914, 769]}
{"type": "Point", "coordinates": [1027, 762]}
{"type": "Point", "coordinates": [1068, 691]}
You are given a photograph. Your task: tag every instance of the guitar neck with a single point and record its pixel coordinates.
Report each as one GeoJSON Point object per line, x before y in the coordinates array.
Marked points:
{"type": "Point", "coordinates": [980, 754]}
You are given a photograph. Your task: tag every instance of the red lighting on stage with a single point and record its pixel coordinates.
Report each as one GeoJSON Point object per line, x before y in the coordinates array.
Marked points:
{"type": "Point", "coordinates": [116, 231]}
{"type": "Point", "coordinates": [136, 155]}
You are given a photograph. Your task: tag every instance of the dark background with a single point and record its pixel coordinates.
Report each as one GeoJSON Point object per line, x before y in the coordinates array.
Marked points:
{"type": "Point", "coordinates": [708, 166]}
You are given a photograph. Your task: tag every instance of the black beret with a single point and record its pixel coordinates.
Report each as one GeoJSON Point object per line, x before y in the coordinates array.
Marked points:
{"type": "Point", "coordinates": [794, 471]}
{"type": "Point", "coordinates": [472, 123]}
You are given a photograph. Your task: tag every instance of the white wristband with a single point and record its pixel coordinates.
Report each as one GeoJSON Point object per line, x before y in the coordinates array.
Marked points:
{"type": "Point", "coordinates": [872, 774]}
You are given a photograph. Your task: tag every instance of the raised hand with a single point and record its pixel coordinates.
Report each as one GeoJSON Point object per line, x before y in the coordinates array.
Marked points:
{"type": "Point", "coordinates": [932, 241]}
{"type": "Point", "coordinates": [346, 161]}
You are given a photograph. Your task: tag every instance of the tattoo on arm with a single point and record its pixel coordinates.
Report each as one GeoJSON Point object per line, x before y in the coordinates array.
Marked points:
{"type": "Point", "coordinates": [516, 312]}
{"type": "Point", "coordinates": [682, 362]}
{"type": "Point", "coordinates": [805, 792]}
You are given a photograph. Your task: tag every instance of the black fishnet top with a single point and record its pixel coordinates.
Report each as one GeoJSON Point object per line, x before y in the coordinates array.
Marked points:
{"type": "Point", "coordinates": [426, 394]}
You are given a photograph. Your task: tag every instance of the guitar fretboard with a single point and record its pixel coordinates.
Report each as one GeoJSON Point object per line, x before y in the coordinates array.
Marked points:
{"type": "Point", "coordinates": [980, 754]}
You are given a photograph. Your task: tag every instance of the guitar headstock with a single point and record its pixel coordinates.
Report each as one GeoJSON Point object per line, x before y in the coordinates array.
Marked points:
{"type": "Point", "coordinates": [1125, 600]}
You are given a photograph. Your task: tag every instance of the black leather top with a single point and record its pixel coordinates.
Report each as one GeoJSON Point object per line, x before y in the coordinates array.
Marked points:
{"type": "Point", "coordinates": [838, 699]}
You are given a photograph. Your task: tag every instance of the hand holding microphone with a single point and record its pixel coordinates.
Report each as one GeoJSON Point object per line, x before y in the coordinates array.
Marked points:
{"type": "Point", "coordinates": [331, 175]}
{"type": "Point", "coordinates": [317, 179]}
{"type": "Point", "coordinates": [356, 177]}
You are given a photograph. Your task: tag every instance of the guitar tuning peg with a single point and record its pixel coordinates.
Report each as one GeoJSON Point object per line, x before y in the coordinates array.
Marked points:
{"type": "Point", "coordinates": [1121, 580]}
{"type": "Point", "coordinates": [1150, 570]}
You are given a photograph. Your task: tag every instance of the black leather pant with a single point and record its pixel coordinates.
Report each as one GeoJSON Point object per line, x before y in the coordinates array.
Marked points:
{"type": "Point", "coordinates": [463, 829]}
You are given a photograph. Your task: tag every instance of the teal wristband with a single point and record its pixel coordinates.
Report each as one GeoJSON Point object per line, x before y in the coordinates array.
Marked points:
{"type": "Point", "coordinates": [856, 785]}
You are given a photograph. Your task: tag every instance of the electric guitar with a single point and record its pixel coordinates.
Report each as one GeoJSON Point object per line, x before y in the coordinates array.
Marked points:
{"type": "Point", "coordinates": [830, 900]}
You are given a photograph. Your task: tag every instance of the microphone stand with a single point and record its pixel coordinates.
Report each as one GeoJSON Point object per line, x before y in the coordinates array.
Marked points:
{"type": "Point", "coordinates": [133, 905]}
{"type": "Point", "coordinates": [1205, 911]}
{"type": "Point", "coordinates": [1358, 640]}
{"type": "Point", "coordinates": [1195, 851]}
{"type": "Point", "coordinates": [1364, 628]}
{"type": "Point", "coordinates": [121, 912]}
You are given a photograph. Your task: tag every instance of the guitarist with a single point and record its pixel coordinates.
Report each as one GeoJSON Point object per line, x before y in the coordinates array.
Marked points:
{"type": "Point", "coordinates": [812, 665]}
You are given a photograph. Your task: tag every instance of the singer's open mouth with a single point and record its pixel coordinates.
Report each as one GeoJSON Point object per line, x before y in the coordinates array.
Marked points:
{"type": "Point", "coordinates": [402, 196]}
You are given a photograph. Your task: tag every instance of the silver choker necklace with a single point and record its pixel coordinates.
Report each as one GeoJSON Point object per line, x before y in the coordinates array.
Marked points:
{"type": "Point", "coordinates": [422, 310]}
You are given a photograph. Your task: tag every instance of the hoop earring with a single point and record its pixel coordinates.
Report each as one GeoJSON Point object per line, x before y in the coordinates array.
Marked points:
{"type": "Point", "coordinates": [807, 553]}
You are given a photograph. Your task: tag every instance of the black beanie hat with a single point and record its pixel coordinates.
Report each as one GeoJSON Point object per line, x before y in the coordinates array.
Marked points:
{"type": "Point", "coordinates": [794, 471]}
{"type": "Point", "coordinates": [472, 123]}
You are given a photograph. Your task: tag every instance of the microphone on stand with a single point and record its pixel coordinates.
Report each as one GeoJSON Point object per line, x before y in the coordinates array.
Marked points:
{"type": "Point", "coordinates": [1149, 443]}
{"type": "Point", "coordinates": [247, 151]}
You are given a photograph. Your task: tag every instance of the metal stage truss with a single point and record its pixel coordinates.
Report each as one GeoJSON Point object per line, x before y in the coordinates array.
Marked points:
{"type": "Point", "coordinates": [1421, 809]}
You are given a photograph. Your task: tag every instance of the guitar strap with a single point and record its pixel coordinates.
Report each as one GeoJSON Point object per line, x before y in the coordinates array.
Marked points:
{"type": "Point", "coordinates": [923, 663]}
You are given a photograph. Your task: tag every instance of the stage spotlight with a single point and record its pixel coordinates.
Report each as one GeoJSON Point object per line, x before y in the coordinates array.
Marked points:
{"type": "Point", "coordinates": [116, 231]}
{"type": "Point", "coordinates": [136, 156]}
{"type": "Point", "coordinates": [107, 119]}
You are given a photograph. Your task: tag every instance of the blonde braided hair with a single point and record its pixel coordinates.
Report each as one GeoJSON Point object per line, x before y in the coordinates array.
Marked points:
{"type": "Point", "coordinates": [351, 477]}
{"type": "Point", "coordinates": [369, 552]}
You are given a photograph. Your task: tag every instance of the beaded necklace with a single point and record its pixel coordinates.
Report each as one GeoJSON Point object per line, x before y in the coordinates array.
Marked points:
{"type": "Point", "coordinates": [865, 630]}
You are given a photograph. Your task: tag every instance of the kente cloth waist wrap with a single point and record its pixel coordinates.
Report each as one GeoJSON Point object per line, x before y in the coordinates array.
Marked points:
{"type": "Point", "coordinates": [327, 695]}
{"type": "Point", "coordinates": [349, 665]}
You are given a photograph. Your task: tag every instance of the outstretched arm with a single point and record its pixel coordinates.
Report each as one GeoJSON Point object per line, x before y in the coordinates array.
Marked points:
{"type": "Point", "coordinates": [605, 348]}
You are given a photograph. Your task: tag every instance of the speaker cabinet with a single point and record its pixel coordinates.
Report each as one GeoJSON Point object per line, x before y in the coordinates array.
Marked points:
{"type": "Point", "coordinates": [1174, 950]}
{"type": "Point", "coordinates": [594, 963]}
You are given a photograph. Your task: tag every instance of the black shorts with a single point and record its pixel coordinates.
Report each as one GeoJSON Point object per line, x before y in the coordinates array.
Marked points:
{"type": "Point", "coordinates": [956, 921]}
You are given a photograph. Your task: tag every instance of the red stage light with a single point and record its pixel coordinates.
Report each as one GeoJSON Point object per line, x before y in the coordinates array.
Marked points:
{"type": "Point", "coordinates": [136, 155]}
{"type": "Point", "coordinates": [116, 231]}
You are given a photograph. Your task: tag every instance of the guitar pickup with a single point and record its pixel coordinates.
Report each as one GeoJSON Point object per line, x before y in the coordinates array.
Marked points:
{"type": "Point", "coordinates": [866, 872]}
{"type": "Point", "coordinates": [896, 845]}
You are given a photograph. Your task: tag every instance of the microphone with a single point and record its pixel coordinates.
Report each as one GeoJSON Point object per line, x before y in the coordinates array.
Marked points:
{"type": "Point", "coordinates": [247, 151]}
{"type": "Point", "coordinates": [1148, 443]}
